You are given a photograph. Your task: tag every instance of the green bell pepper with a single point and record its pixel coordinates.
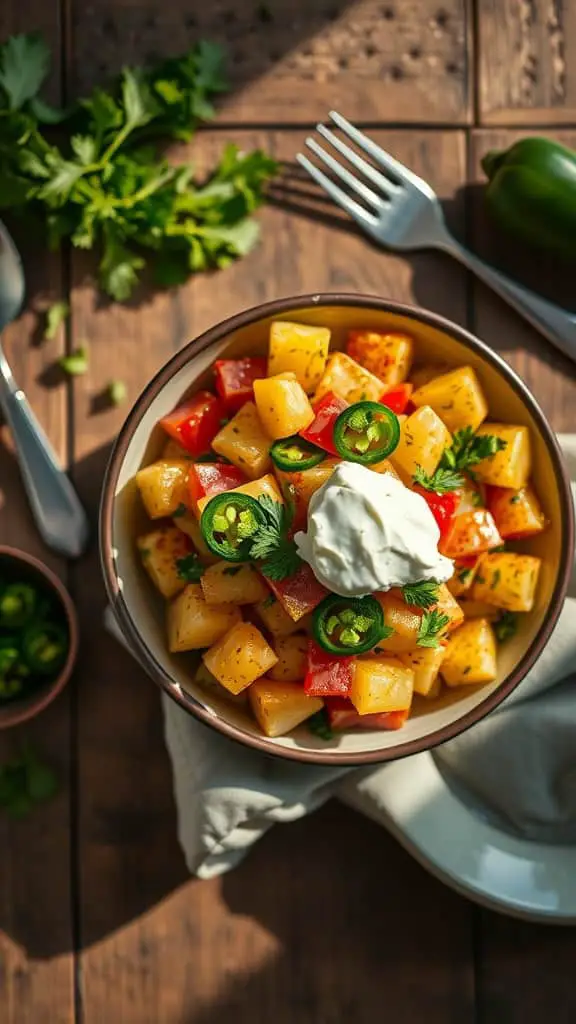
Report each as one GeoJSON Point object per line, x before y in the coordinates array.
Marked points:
{"type": "Point", "coordinates": [531, 193]}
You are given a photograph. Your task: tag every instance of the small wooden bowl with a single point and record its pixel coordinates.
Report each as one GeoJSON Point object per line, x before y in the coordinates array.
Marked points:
{"type": "Point", "coordinates": [22, 710]}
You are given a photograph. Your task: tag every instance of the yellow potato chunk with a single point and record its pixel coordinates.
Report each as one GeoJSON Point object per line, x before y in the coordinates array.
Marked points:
{"type": "Point", "coordinates": [511, 466]}
{"type": "Point", "coordinates": [283, 405]}
{"type": "Point", "coordinates": [426, 372]}
{"type": "Point", "coordinates": [448, 605]}
{"type": "Point", "coordinates": [423, 438]}
{"type": "Point", "coordinates": [189, 525]}
{"type": "Point", "coordinates": [349, 380]}
{"type": "Point", "coordinates": [160, 551]}
{"type": "Point", "coordinates": [264, 485]}
{"type": "Point", "coordinates": [172, 450]}
{"type": "Point", "coordinates": [402, 618]}
{"type": "Point", "coordinates": [206, 681]}
{"type": "Point", "coordinates": [516, 513]}
{"type": "Point", "coordinates": [507, 580]}
{"type": "Point", "coordinates": [163, 486]}
{"type": "Point", "coordinates": [280, 707]}
{"type": "Point", "coordinates": [193, 624]}
{"type": "Point", "coordinates": [463, 578]}
{"type": "Point", "coordinates": [275, 619]}
{"type": "Point", "coordinates": [233, 583]}
{"type": "Point", "coordinates": [300, 486]}
{"type": "Point", "coordinates": [478, 610]}
{"type": "Point", "coordinates": [456, 397]}
{"type": "Point", "coordinates": [385, 467]}
{"type": "Point", "coordinates": [470, 656]}
{"type": "Point", "coordinates": [387, 355]}
{"type": "Point", "coordinates": [291, 652]}
{"type": "Point", "coordinates": [381, 684]}
{"type": "Point", "coordinates": [425, 663]}
{"type": "Point", "coordinates": [300, 348]}
{"type": "Point", "coordinates": [239, 657]}
{"type": "Point", "coordinates": [245, 442]}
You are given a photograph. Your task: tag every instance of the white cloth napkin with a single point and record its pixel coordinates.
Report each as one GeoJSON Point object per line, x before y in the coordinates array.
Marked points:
{"type": "Point", "coordinates": [520, 761]}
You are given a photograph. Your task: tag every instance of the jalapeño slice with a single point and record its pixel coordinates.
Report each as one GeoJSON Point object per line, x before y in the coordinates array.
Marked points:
{"type": "Point", "coordinates": [294, 453]}
{"type": "Point", "coordinates": [366, 432]}
{"type": "Point", "coordinates": [45, 647]}
{"type": "Point", "coordinates": [17, 605]}
{"type": "Point", "coordinates": [348, 625]}
{"type": "Point", "coordinates": [229, 522]}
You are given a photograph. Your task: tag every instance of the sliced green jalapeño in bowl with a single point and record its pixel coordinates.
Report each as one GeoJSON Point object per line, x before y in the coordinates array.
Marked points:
{"type": "Point", "coordinates": [348, 625]}
{"type": "Point", "coordinates": [366, 432]}
{"type": "Point", "coordinates": [294, 453]}
{"type": "Point", "coordinates": [228, 524]}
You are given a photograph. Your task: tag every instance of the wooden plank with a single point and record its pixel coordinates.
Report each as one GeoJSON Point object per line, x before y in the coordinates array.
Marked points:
{"type": "Point", "coordinates": [551, 377]}
{"type": "Point", "coordinates": [527, 60]}
{"type": "Point", "coordinates": [291, 61]}
{"type": "Point", "coordinates": [328, 914]}
{"type": "Point", "coordinates": [36, 943]}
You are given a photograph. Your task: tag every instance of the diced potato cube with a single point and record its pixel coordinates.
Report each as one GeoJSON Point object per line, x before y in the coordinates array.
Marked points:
{"type": "Point", "coordinates": [266, 484]}
{"type": "Point", "coordinates": [388, 355]}
{"type": "Point", "coordinates": [189, 525]}
{"type": "Point", "coordinates": [507, 580]}
{"type": "Point", "coordinates": [456, 397]}
{"type": "Point", "coordinates": [239, 657]}
{"type": "Point", "coordinates": [470, 656]}
{"type": "Point", "coordinates": [193, 624]}
{"type": "Point", "coordinates": [280, 707]}
{"type": "Point", "coordinates": [233, 583]}
{"type": "Point", "coordinates": [275, 619]}
{"type": "Point", "coordinates": [425, 663]}
{"type": "Point", "coordinates": [160, 551]}
{"type": "Point", "coordinates": [478, 610]}
{"type": "Point", "coordinates": [435, 690]}
{"type": "Point", "coordinates": [516, 513]}
{"type": "Point", "coordinates": [300, 486]}
{"type": "Point", "coordinates": [283, 405]}
{"type": "Point", "coordinates": [291, 652]}
{"type": "Point", "coordinates": [381, 684]}
{"type": "Point", "coordinates": [426, 372]}
{"type": "Point", "coordinates": [448, 605]}
{"type": "Point", "coordinates": [463, 578]}
{"type": "Point", "coordinates": [206, 681]}
{"type": "Point", "coordinates": [350, 381]}
{"type": "Point", "coordinates": [402, 618]}
{"type": "Point", "coordinates": [423, 438]}
{"type": "Point", "coordinates": [163, 486]}
{"type": "Point", "coordinates": [245, 442]}
{"type": "Point", "coordinates": [300, 348]}
{"type": "Point", "coordinates": [512, 465]}
{"type": "Point", "coordinates": [172, 450]}
{"type": "Point", "coordinates": [470, 534]}
{"type": "Point", "coordinates": [385, 467]}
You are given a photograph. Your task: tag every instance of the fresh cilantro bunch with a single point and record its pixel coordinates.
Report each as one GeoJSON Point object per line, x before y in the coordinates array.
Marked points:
{"type": "Point", "coordinates": [104, 186]}
{"type": "Point", "coordinates": [271, 544]}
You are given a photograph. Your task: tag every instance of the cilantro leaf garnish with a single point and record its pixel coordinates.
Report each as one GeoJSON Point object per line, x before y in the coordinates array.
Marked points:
{"type": "Point", "coordinates": [467, 449]}
{"type": "Point", "coordinates": [190, 568]}
{"type": "Point", "coordinates": [441, 481]}
{"type": "Point", "coordinates": [505, 626]}
{"type": "Point", "coordinates": [433, 623]}
{"type": "Point", "coordinates": [319, 725]}
{"type": "Point", "coordinates": [270, 542]}
{"type": "Point", "coordinates": [24, 63]}
{"type": "Point", "coordinates": [423, 594]}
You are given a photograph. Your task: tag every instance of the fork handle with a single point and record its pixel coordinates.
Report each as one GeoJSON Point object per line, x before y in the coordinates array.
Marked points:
{"type": "Point", "coordinates": [552, 321]}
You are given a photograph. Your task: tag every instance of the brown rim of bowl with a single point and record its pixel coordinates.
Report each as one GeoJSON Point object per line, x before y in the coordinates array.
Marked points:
{"type": "Point", "coordinates": [219, 332]}
{"type": "Point", "coordinates": [13, 714]}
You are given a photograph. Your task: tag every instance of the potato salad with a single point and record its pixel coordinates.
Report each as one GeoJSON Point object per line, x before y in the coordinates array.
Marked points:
{"type": "Point", "coordinates": [333, 531]}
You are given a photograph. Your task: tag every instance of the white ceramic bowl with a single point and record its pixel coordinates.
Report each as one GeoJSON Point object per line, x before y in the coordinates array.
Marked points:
{"type": "Point", "coordinates": [140, 612]}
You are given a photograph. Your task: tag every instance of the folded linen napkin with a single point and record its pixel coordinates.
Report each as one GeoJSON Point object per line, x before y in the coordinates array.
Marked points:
{"type": "Point", "coordinates": [520, 762]}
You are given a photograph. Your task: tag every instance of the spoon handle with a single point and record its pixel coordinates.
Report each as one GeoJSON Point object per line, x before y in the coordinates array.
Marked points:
{"type": "Point", "coordinates": [56, 508]}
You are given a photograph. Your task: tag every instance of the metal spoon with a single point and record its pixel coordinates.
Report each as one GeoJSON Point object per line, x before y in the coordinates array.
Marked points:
{"type": "Point", "coordinates": [56, 507]}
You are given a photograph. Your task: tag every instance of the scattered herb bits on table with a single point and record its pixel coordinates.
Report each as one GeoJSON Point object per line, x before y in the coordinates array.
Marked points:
{"type": "Point", "coordinates": [34, 639]}
{"type": "Point", "coordinates": [334, 534]}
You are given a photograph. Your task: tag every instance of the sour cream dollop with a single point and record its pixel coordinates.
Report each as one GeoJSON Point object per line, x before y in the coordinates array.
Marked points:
{"type": "Point", "coordinates": [367, 532]}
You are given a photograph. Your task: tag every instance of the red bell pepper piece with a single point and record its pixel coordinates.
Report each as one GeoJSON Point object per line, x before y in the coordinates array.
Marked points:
{"type": "Point", "coordinates": [195, 423]}
{"type": "Point", "coordinates": [235, 379]}
{"type": "Point", "coordinates": [300, 593]}
{"type": "Point", "coordinates": [321, 430]}
{"type": "Point", "coordinates": [343, 715]}
{"type": "Point", "coordinates": [327, 675]}
{"type": "Point", "coordinates": [206, 479]}
{"type": "Point", "coordinates": [397, 398]}
{"type": "Point", "coordinates": [442, 507]}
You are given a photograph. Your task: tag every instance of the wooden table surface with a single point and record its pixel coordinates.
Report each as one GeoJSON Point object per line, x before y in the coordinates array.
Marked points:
{"type": "Point", "coordinates": [328, 920]}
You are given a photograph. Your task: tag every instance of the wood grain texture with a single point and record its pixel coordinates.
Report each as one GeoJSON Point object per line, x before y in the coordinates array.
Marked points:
{"type": "Point", "coordinates": [526, 71]}
{"type": "Point", "coordinates": [36, 934]}
{"type": "Point", "coordinates": [290, 61]}
{"type": "Point", "coordinates": [550, 376]}
{"type": "Point", "coordinates": [296, 933]}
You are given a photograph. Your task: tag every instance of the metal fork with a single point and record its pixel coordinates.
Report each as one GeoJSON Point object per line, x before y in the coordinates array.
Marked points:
{"type": "Point", "coordinates": [397, 208]}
